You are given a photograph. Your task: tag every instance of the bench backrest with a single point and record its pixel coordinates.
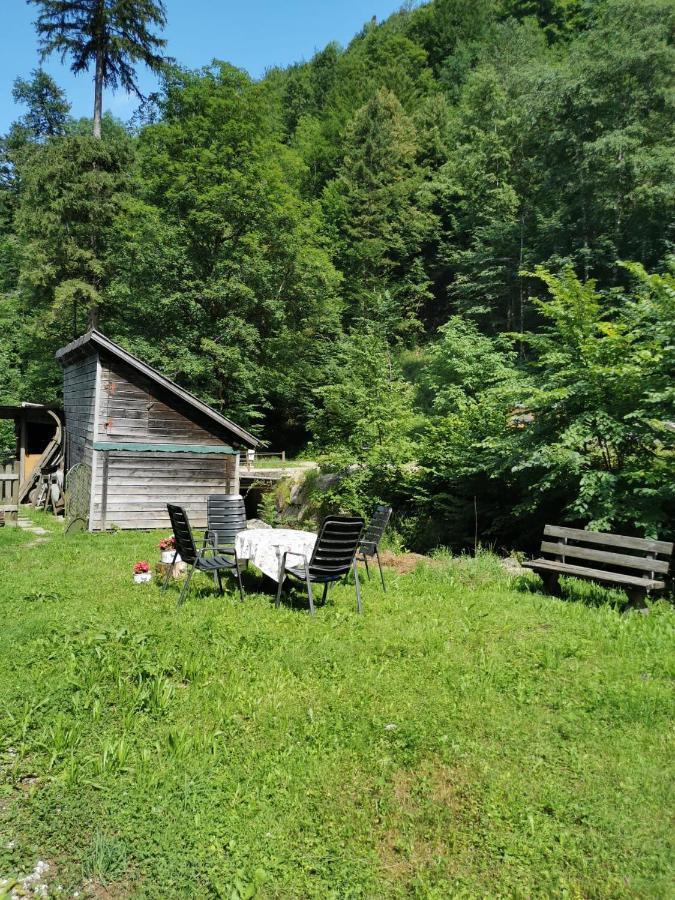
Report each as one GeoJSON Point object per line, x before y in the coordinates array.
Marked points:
{"type": "Point", "coordinates": [607, 551]}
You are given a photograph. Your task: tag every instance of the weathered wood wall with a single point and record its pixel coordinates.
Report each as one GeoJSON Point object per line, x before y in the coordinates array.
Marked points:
{"type": "Point", "coordinates": [130, 410]}
{"type": "Point", "coordinates": [9, 490]}
{"type": "Point", "coordinates": [131, 490]}
{"type": "Point", "coordinates": [139, 485]}
{"type": "Point", "coordinates": [79, 394]}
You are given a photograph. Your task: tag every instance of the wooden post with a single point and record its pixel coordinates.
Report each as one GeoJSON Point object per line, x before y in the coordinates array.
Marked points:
{"type": "Point", "coordinates": [9, 491]}
{"type": "Point", "coordinates": [22, 449]}
{"type": "Point", "coordinates": [235, 482]}
{"type": "Point", "coordinates": [104, 489]}
{"type": "Point", "coordinates": [561, 543]}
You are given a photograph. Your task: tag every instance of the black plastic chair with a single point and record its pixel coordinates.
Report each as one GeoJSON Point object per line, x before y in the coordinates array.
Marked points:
{"type": "Point", "coordinates": [370, 541]}
{"type": "Point", "coordinates": [197, 559]}
{"type": "Point", "coordinates": [225, 518]}
{"type": "Point", "coordinates": [333, 556]}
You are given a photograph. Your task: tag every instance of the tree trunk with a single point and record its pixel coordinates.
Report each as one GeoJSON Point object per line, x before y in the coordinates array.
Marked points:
{"type": "Point", "coordinates": [98, 94]}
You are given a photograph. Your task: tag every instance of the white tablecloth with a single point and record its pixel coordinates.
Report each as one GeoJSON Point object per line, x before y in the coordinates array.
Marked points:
{"type": "Point", "coordinates": [265, 547]}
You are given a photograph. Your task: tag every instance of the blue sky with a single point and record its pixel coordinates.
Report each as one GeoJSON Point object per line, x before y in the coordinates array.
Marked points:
{"type": "Point", "coordinates": [253, 35]}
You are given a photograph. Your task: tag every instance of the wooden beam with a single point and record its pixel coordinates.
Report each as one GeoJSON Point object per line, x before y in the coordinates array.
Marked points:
{"type": "Point", "coordinates": [22, 450]}
{"type": "Point", "coordinates": [621, 560]}
{"type": "Point", "coordinates": [611, 540]}
{"type": "Point", "coordinates": [104, 489]}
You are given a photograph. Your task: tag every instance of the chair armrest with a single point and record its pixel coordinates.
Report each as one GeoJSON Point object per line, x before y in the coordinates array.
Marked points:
{"type": "Point", "coordinates": [210, 541]}
{"type": "Point", "coordinates": [303, 556]}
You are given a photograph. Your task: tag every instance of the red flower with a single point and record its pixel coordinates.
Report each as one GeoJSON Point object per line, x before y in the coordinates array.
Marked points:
{"type": "Point", "coordinates": [141, 568]}
{"type": "Point", "coordinates": [168, 543]}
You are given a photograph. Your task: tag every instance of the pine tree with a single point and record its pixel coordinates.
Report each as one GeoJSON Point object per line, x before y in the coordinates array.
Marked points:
{"type": "Point", "coordinates": [380, 214]}
{"type": "Point", "coordinates": [111, 34]}
{"type": "Point", "coordinates": [48, 109]}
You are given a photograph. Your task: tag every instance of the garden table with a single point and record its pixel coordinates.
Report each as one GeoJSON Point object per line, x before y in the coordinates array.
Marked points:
{"type": "Point", "coordinates": [265, 547]}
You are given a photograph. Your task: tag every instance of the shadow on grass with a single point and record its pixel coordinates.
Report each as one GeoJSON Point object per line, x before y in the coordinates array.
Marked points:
{"type": "Point", "coordinates": [574, 590]}
{"type": "Point", "coordinates": [202, 587]}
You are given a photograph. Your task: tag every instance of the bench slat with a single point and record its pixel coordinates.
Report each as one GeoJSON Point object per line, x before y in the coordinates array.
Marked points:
{"type": "Point", "coordinates": [610, 540]}
{"type": "Point", "coordinates": [605, 556]}
{"type": "Point", "coordinates": [549, 565]}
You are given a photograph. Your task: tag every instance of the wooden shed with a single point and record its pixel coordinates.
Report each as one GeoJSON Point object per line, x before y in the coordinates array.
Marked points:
{"type": "Point", "coordinates": [139, 441]}
{"type": "Point", "coordinates": [38, 450]}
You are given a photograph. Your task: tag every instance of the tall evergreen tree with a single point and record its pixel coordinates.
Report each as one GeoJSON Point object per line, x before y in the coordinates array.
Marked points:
{"type": "Point", "coordinates": [111, 34]}
{"type": "Point", "coordinates": [48, 108]}
{"type": "Point", "coordinates": [380, 216]}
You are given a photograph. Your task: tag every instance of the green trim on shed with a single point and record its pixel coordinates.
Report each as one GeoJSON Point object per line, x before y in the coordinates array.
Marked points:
{"type": "Point", "coordinates": [220, 449]}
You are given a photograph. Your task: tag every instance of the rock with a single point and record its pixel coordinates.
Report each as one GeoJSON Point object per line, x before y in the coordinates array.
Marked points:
{"type": "Point", "coordinates": [323, 482]}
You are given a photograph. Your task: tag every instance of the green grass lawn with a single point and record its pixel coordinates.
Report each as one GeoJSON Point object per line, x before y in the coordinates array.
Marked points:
{"type": "Point", "coordinates": [465, 737]}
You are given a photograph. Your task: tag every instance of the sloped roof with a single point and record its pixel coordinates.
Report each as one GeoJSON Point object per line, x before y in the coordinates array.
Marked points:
{"type": "Point", "coordinates": [97, 339]}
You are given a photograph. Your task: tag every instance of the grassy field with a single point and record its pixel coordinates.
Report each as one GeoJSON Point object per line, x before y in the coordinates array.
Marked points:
{"type": "Point", "coordinates": [466, 737]}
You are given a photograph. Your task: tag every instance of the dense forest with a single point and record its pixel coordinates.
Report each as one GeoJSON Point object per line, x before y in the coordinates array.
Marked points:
{"type": "Point", "coordinates": [437, 259]}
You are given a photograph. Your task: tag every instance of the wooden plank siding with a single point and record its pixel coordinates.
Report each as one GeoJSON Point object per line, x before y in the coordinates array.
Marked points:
{"type": "Point", "coordinates": [131, 410]}
{"type": "Point", "coordinates": [9, 490]}
{"type": "Point", "coordinates": [139, 486]}
{"type": "Point", "coordinates": [79, 396]}
{"type": "Point", "coordinates": [115, 405]}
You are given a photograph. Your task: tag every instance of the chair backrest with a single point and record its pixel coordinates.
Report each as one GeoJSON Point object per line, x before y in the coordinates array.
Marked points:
{"type": "Point", "coordinates": [375, 529]}
{"type": "Point", "coordinates": [226, 517]}
{"type": "Point", "coordinates": [185, 544]}
{"type": "Point", "coordinates": [336, 546]}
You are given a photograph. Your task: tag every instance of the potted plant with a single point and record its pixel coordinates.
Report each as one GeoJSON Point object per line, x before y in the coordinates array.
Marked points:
{"type": "Point", "coordinates": [167, 548]}
{"type": "Point", "coordinates": [142, 572]}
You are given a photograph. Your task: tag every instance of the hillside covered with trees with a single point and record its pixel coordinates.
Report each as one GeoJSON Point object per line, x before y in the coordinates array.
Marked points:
{"type": "Point", "coordinates": [438, 259]}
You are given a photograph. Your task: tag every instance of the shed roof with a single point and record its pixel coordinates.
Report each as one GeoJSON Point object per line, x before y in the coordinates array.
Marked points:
{"type": "Point", "coordinates": [25, 410]}
{"type": "Point", "coordinates": [96, 339]}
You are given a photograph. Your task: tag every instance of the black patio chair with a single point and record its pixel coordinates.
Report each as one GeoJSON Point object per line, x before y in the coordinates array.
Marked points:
{"type": "Point", "coordinates": [370, 541]}
{"type": "Point", "coordinates": [197, 558]}
{"type": "Point", "coordinates": [333, 556]}
{"type": "Point", "coordinates": [225, 518]}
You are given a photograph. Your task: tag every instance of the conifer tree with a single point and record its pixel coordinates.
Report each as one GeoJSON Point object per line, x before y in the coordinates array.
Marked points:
{"type": "Point", "coordinates": [381, 217]}
{"type": "Point", "coordinates": [111, 34]}
{"type": "Point", "coordinates": [48, 108]}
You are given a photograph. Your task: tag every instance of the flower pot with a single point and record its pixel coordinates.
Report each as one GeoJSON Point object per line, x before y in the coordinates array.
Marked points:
{"type": "Point", "coordinates": [140, 577]}
{"type": "Point", "coordinates": [167, 556]}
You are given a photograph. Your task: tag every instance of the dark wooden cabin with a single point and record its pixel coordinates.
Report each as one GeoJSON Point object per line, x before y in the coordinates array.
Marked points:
{"type": "Point", "coordinates": [140, 440]}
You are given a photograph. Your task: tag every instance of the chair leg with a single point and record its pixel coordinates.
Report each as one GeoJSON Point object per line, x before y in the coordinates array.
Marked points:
{"type": "Point", "coordinates": [169, 571]}
{"type": "Point", "coordinates": [186, 587]}
{"type": "Point", "coordinates": [325, 591]}
{"type": "Point", "coordinates": [241, 586]}
{"type": "Point", "coordinates": [358, 588]}
{"type": "Point", "coordinates": [365, 559]}
{"type": "Point", "coordinates": [219, 580]}
{"type": "Point", "coordinates": [279, 589]}
{"type": "Point", "coordinates": [384, 586]}
{"type": "Point", "coordinates": [309, 593]}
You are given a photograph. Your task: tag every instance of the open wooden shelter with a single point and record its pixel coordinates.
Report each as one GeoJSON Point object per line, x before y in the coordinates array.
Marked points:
{"type": "Point", "coordinates": [136, 441]}
{"type": "Point", "coordinates": [38, 452]}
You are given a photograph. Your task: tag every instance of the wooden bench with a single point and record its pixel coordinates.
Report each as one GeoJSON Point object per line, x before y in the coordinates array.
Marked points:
{"type": "Point", "coordinates": [638, 565]}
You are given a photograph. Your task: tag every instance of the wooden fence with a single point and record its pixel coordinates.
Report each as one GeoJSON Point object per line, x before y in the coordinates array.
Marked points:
{"type": "Point", "coordinates": [263, 456]}
{"type": "Point", "coordinates": [9, 491]}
